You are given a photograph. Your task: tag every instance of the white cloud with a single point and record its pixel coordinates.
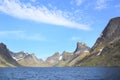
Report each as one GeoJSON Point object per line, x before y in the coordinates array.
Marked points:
{"type": "Point", "coordinates": [75, 38]}
{"type": "Point", "coordinates": [101, 4]}
{"type": "Point", "coordinates": [22, 35]}
{"type": "Point", "coordinates": [40, 14]}
{"type": "Point", "coordinates": [7, 33]}
{"type": "Point", "coordinates": [33, 0]}
{"type": "Point", "coordinates": [77, 2]}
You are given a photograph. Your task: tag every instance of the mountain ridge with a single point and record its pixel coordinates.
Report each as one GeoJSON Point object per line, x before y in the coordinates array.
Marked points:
{"type": "Point", "coordinates": [105, 52]}
{"type": "Point", "coordinates": [57, 59]}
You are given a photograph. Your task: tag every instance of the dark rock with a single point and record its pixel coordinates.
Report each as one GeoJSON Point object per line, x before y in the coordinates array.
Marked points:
{"type": "Point", "coordinates": [81, 47]}
{"type": "Point", "coordinates": [5, 56]}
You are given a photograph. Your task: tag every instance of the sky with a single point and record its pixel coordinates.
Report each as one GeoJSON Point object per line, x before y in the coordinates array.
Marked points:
{"type": "Point", "coordinates": [44, 27]}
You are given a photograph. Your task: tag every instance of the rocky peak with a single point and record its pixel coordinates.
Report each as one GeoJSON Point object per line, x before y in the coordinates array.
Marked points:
{"type": "Point", "coordinates": [56, 54]}
{"type": "Point", "coordinates": [64, 53]}
{"type": "Point", "coordinates": [3, 49]}
{"type": "Point", "coordinates": [81, 47]}
{"type": "Point", "coordinates": [3, 46]}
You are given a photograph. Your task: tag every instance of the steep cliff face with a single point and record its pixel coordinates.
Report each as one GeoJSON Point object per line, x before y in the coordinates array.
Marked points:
{"type": "Point", "coordinates": [81, 47]}
{"type": "Point", "coordinates": [106, 50]}
{"type": "Point", "coordinates": [5, 57]}
{"type": "Point", "coordinates": [110, 34]}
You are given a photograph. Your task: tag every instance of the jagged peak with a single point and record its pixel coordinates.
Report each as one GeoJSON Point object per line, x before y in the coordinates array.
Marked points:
{"type": "Point", "coordinates": [64, 52]}
{"type": "Point", "coordinates": [2, 45]}
{"type": "Point", "coordinates": [80, 43]}
{"type": "Point", "coordinates": [56, 53]}
{"type": "Point", "coordinates": [81, 46]}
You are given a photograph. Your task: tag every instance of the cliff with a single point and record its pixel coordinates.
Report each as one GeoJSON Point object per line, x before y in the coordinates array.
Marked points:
{"type": "Point", "coordinates": [106, 50]}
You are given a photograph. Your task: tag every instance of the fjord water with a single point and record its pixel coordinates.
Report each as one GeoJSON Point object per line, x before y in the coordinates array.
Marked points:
{"type": "Point", "coordinates": [59, 73]}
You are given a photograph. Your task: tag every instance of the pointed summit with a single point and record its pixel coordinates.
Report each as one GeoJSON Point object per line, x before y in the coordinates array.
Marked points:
{"type": "Point", "coordinates": [3, 46]}
{"type": "Point", "coordinates": [5, 57]}
{"type": "Point", "coordinates": [81, 47]}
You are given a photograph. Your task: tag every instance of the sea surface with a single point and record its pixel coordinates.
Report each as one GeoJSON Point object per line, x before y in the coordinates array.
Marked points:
{"type": "Point", "coordinates": [59, 73]}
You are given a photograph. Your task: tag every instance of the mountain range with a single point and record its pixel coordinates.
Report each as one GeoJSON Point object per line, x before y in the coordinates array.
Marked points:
{"type": "Point", "coordinates": [105, 52]}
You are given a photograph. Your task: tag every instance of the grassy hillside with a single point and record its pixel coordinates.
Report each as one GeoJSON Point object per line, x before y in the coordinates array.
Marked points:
{"type": "Point", "coordinates": [110, 56]}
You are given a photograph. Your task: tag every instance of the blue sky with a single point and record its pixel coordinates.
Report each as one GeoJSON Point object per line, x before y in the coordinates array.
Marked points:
{"type": "Point", "coordinates": [44, 27]}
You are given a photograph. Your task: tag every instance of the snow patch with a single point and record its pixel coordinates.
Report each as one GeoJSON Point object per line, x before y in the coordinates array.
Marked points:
{"type": "Point", "coordinates": [14, 58]}
{"type": "Point", "coordinates": [86, 51]}
{"type": "Point", "coordinates": [100, 51]}
{"type": "Point", "coordinates": [60, 58]}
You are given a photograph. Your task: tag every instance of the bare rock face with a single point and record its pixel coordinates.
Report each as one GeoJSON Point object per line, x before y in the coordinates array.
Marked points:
{"type": "Point", "coordinates": [110, 34]}
{"type": "Point", "coordinates": [81, 47]}
{"type": "Point", "coordinates": [112, 30]}
{"type": "Point", "coordinates": [5, 57]}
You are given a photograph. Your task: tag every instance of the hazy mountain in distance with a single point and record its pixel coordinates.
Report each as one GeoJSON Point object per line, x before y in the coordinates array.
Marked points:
{"type": "Point", "coordinates": [26, 59]}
